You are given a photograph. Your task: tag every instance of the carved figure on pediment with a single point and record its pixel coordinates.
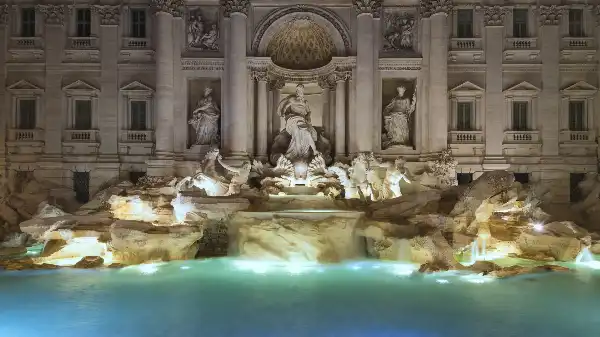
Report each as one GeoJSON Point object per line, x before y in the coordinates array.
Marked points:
{"type": "Point", "coordinates": [198, 36]}
{"type": "Point", "coordinates": [205, 119]}
{"type": "Point", "coordinates": [396, 119]}
{"type": "Point", "coordinates": [398, 33]}
{"type": "Point", "coordinates": [299, 141]}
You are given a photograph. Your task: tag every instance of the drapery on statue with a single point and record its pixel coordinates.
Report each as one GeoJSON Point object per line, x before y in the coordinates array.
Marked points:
{"type": "Point", "coordinates": [205, 120]}
{"type": "Point", "coordinates": [296, 112]}
{"type": "Point", "coordinates": [396, 116]}
{"type": "Point", "coordinates": [299, 141]}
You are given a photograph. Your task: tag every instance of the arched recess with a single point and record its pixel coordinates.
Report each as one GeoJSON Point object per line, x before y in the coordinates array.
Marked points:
{"type": "Point", "coordinates": [276, 20]}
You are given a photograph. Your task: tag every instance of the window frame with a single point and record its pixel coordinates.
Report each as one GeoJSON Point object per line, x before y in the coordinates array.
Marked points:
{"type": "Point", "coordinates": [522, 92]}
{"type": "Point", "coordinates": [466, 92]}
{"type": "Point", "coordinates": [470, 33]}
{"type": "Point", "coordinates": [131, 23]}
{"type": "Point", "coordinates": [21, 22]}
{"type": "Point", "coordinates": [81, 91]}
{"type": "Point", "coordinates": [581, 27]}
{"type": "Point", "coordinates": [527, 124]}
{"type": "Point", "coordinates": [515, 24]}
{"type": "Point", "coordinates": [470, 113]}
{"type": "Point", "coordinates": [77, 22]}
{"type": "Point", "coordinates": [25, 90]}
{"type": "Point", "coordinates": [136, 91]}
{"type": "Point", "coordinates": [580, 91]}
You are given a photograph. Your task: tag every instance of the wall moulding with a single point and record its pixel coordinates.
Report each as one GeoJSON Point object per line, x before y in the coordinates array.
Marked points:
{"type": "Point", "coordinates": [398, 64]}
{"type": "Point", "coordinates": [204, 64]}
{"type": "Point", "coordinates": [275, 72]}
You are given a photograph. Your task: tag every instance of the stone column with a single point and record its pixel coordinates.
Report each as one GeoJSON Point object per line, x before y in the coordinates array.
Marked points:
{"type": "Point", "coordinates": [423, 93]}
{"type": "Point", "coordinates": [108, 106]}
{"type": "Point", "coordinates": [262, 134]}
{"type": "Point", "coordinates": [179, 84]}
{"type": "Point", "coordinates": [162, 163]}
{"type": "Point", "coordinates": [494, 98]}
{"type": "Point", "coordinates": [4, 98]}
{"type": "Point", "coordinates": [596, 112]}
{"type": "Point", "coordinates": [365, 69]}
{"type": "Point", "coordinates": [550, 17]}
{"type": "Point", "coordinates": [438, 73]}
{"type": "Point", "coordinates": [326, 85]}
{"type": "Point", "coordinates": [54, 42]}
{"type": "Point", "coordinates": [234, 131]}
{"type": "Point", "coordinates": [275, 85]}
{"type": "Point", "coordinates": [340, 115]}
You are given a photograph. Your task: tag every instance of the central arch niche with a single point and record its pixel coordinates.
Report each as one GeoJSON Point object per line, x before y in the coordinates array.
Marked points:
{"type": "Point", "coordinates": [301, 44]}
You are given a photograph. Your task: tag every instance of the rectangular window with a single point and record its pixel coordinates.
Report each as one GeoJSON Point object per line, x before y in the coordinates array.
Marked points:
{"type": "Point", "coordinates": [84, 22]}
{"type": "Point", "coordinates": [522, 178]}
{"type": "Point", "coordinates": [26, 114]}
{"type": "Point", "coordinates": [464, 23]}
{"type": "Point", "coordinates": [519, 116]}
{"type": "Point", "coordinates": [83, 115]}
{"type": "Point", "coordinates": [520, 19]}
{"type": "Point", "coordinates": [575, 191]}
{"type": "Point", "coordinates": [464, 116]}
{"type": "Point", "coordinates": [577, 115]}
{"type": "Point", "coordinates": [138, 23]}
{"type": "Point", "coordinates": [81, 186]}
{"type": "Point", "coordinates": [464, 178]}
{"type": "Point", "coordinates": [27, 22]}
{"type": "Point", "coordinates": [138, 115]}
{"type": "Point", "coordinates": [576, 23]}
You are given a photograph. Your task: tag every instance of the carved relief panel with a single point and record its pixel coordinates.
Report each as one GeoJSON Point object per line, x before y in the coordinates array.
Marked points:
{"type": "Point", "coordinates": [204, 113]}
{"type": "Point", "coordinates": [202, 29]}
{"type": "Point", "coordinates": [399, 30]}
{"type": "Point", "coordinates": [399, 98]}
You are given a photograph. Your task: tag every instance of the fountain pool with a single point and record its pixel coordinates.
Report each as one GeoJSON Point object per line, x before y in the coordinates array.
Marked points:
{"type": "Point", "coordinates": [226, 297]}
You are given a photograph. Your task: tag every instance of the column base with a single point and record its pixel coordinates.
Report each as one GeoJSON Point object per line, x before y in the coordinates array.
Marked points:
{"type": "Point", "coordinates": [160, 167]}
{"type": "Point", "coordinates": [494, 163]}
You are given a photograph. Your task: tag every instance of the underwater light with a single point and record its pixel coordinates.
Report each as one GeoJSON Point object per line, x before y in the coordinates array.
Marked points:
{"type": "Point", "coordinates": [442, 281]}
{"type": "Point", "coordinates": [148, 268]}
{"type": "Point", "coordinates": [184, 267]}
{"type": "Point", "coordinates": [403, 269]}
{"type": "Point", "coordinates": [477, 278]}
{"type": "Point", "coordinates": [538, 227]}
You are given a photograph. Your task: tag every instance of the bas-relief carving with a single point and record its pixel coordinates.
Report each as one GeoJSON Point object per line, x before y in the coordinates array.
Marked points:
{"type": "Point", "coordinates": [398, 30]}
{"type": "Point", "coordinates": [205, 116]}
{"type": "Point", "coordinates": [398, 130]}
{"type": "Point", "coordinates": [4, 15]}
{"type": "Point", "coordinates": [203, 29]}
{"type": "Point", "coordinates": [299, 141]}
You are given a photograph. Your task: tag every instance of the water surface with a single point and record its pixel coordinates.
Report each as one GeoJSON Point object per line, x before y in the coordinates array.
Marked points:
{"type": "Point", "coordinates": [230, 298]}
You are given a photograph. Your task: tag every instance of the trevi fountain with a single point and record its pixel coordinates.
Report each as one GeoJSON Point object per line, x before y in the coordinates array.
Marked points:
{"type": "Point", "coordinates": [300, 213]}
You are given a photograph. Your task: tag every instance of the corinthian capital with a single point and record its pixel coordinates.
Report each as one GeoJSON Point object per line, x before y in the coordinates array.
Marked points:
{"type": "Point", "coordinates": [54, 14]}
{"type": "Point", "coordinates": [367, 7]}
{"type": "Point", "coordinates": [494, 15]}
{"type": "Point", "coordinates": [551, 15]}
{"type": "Point", "coordinates": [109, 15]}
{"type": "Point", "coordinates": [168, 6]}
{"type": "Point", "coordinates": [260, 75]}
{"type": "Point", "coordinates": [431, 7]}
{"type": "Point", "coordinates": [235, 6]}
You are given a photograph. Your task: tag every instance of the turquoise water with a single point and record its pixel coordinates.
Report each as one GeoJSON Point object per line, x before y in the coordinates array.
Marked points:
{"type": "Point", "coordinates": [230, 298]}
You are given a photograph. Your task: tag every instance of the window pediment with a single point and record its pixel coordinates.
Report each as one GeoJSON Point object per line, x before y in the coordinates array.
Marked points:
{"type": "Point", "coordinates": [466, 89]}
{"type": "Point", "coordinates": [523, 89]}
{"type": "Point", "coordinates": [82, 88]}
{"type": "Point", "coordinates": [24, 87]}
{"type": "Point", "coordinates": [580, 89]}
{"type": "Point", "coordinates": [136, 88]}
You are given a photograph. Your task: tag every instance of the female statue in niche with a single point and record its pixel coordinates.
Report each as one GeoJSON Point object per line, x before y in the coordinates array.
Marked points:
{"type": "Point", "coordinates": [205, 120]}
{"type": "Point", "coordinates": [396, 117]}
{"type": "Point", "coordinates": [296, 112]}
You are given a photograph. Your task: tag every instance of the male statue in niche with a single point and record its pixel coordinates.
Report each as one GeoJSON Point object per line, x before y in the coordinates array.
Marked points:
{"type": "Point", "coordinates": [299, 141]}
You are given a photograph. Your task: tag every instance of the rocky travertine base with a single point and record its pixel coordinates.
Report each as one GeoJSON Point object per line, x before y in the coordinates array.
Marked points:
{"type": "Point", "coordinates": [296, 236]}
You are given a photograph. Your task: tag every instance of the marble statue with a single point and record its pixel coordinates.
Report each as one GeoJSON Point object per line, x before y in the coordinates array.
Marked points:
{"type": "Point", "coordinates": [296, 112]}
{"type": "Point", "coordinates": [205, 120]}
{"type": "Point", "coordinates": [199, 37]}
{"type": "Point", "coordinates": [274, 179]}
{"type": "Point", "coordinates": [398, 34]}
{"type": "Point", "coordinates": [397, 116]}
{"type": "Point", "coordinates": [394, 174]}
{"type": "Point", "coordinates": [214, 183]}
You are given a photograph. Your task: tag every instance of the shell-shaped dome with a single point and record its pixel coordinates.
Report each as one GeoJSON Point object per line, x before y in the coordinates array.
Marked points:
{"type": "Point", "coordinates": [301, 45]}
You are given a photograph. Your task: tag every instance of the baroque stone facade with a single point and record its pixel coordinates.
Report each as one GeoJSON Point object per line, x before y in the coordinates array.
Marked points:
{"type": "Point", "coordinates": [96, 92]}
